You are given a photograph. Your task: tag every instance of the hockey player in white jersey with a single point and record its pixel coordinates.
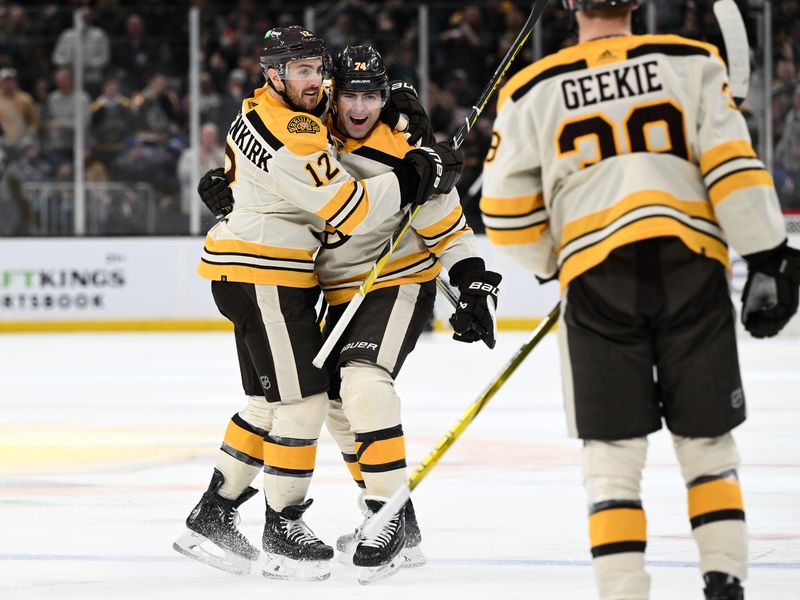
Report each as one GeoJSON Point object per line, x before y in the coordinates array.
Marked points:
{"type": "Point", "coordinates": [367, 359]}
{"type": "Point", "coordinates": [623, 167]}
{"type": "Point", "coordinates": [288, 185]}
{"type": "Point", "coordinates": [364, 413]}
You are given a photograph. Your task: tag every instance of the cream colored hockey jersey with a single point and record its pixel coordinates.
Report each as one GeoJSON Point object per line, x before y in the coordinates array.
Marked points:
{"type": "Point", "coordinates": [438, 232]}
{"type": "Point", "coordinates": [618, 140]}
{"type": "Point", "coordinates": [288, 186]}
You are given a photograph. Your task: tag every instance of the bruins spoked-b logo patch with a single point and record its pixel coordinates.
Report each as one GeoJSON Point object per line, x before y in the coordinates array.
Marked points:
{"type": "Point", "coordinates": [302, 124]}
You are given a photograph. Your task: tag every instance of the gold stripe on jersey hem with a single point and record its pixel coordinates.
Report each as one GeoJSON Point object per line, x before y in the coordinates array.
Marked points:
{"type": "Point", "coordinates": [650, 227]}
{"type": "Point", "coordinates": [715, 156]}
{"type": "Point", "coordinates": [256, 275]}
{"type": "Point", "coordinates": [223, 246]}
{"type": "Point", "coordinates": [340, 296]}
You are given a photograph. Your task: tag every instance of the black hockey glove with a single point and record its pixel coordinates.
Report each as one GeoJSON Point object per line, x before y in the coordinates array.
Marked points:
{"type": "Point", "coordinates": [403, 100]}
{"type": "Point", "coordinates": [770, 295]}
{"type": "Point", "coordinates": [215, 193]}
{"type": "Point", "coordinates": [426, 171]}
{"type": "Point", "coordinates": [475, 318]}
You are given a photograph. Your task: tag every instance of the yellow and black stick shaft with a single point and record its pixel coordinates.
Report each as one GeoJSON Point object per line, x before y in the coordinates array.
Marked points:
{"type": "Point", "coordinates": [399, 498]}
{"type": "Point", "coordinates": [409, 214]}
{"type": "Point", "coordinates": [365, 287]}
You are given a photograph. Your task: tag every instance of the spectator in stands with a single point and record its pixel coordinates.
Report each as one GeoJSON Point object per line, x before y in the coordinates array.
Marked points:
{"type": "Point", "coordinates": [60, 117]}
{"type": "Point", "coordinates": [156, 109]}
{"type": "Point", "coordinates": [211, 156]}
{"type": "Point", "coordinates": [15, 212]}
{"type": "Point", "coordinates": [19, 117]}
{"type": "Point", "coordinates": [28, 163]}
{"type": "Point", "coordinates": [96, 51]}
{"type": "Point", "coordinates": [210, 99]}
{"type": "Point", "coordinates": [134, 54]}
{"type": "Point", "coordinates": [466, 44]}
{"type": "Point", "coordinates": [787, 157]}
{"type": "Point", "coordinates": [231, 102]}
{"type": "Point", "coordinates": [111, 123]}
{"type": "Point", "coordinates": [782, 93]}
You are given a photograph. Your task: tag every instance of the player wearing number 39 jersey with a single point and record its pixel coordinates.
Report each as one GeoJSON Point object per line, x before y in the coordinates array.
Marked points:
{"type": "Point", "coordinates": [623, 167]}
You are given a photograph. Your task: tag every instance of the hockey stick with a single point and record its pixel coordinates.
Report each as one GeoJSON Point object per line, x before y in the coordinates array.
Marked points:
{"type": "Point", "coordinates": [401, 496]}
{"type": "Point", "coordinates": [731, 24]}
{"type": "Point", "coordinates": [409, 214]}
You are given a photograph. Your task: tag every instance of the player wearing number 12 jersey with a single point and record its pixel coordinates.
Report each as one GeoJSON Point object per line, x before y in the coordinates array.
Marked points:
{"type": "Point", "coordinates": [623, 167]}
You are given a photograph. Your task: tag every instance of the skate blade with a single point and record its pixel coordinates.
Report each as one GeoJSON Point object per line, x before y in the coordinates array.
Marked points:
{"type": "Point", "coordinates": [368, 575]}
{"type": "Point", "coordinates": [191, 544]}
{"type": "Point", "coordinates": [412, 558]}
{"type": "Point", "coordinates": [282, 567]}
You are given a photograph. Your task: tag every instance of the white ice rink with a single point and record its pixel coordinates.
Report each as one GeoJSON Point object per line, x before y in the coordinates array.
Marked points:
{"type": "Point", "coordinates": [108, 440]}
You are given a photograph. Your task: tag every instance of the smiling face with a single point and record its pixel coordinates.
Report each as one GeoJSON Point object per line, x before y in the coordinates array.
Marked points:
{"type": "Point", "coordinates": [357, 112]}
{"type": "Point", "coordinates": [303, 82]}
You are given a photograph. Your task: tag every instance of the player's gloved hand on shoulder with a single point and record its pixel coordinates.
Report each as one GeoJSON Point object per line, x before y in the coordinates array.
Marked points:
{"type": "Point", "coordinates": [475, 316]}
{"type": "Point", "coordinates": [426, 171]}
{"type": "Point", "coordinates": [770, 295]}
{"type": "Point", "coordinates": [215, 193]}
{"type": "Point", "coordinates": [404, 108]}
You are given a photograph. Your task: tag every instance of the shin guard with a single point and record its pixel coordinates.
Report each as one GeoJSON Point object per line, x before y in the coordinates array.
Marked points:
{"type": "Point", "coordinates": [617, 523]}
{"type": "Point", "coordinates": [241, 455]}
{"type": "Point", "coordinates": [290, 451]}
{"type": "Point", "coordinates": [716, 508]}
{"type": "Point", "coordinates": [372, 408]}
{"type": "Point", "coordinates": [339, 428]}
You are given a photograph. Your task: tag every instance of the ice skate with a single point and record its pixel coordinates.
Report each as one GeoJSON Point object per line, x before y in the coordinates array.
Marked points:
{"type": "Point", "coordinates": [212, 537]}
{"type": "Point", "coordinates": [411, 553]}
{"type": "Point", "coordinates": [378, 558]}
{"type": "Point", "coordinates": [291, 548]}
{"type": "Point", "coordinates": [721, 586]}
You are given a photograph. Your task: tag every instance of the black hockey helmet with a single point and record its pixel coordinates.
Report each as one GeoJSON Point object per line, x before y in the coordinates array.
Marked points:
{"type": "Point", "coordinates": [360, 69]}
{"type": "Point", "coordinates": [285, 44]}
{"type": "Point", "coordinates": [598, 4]}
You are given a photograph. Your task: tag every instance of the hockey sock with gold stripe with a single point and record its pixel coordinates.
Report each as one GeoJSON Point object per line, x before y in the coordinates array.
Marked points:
{"type": "Point", "coordinates": [241, 456]}
{"type": "Point", "coordinates": [716, 513]}
{"type": "Point", "coordinates": [382, 460]}
{"type": "Point", "coordinates": [618, 537]}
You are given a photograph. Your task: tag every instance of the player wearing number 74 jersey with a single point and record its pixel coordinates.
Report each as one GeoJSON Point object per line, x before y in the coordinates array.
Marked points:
{"type": "Point", "coordinates": [623, 166]}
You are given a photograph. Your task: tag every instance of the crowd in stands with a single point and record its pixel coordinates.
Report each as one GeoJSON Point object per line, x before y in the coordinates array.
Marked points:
{"type": "Point", "coordinates": [134, 99]}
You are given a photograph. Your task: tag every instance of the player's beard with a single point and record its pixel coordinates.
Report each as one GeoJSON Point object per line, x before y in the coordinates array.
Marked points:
{"type": "Point", "coordinates": [303, 96]}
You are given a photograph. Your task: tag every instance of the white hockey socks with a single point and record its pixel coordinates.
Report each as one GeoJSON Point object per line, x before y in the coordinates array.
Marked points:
{"type": "Point", "coordinates": [716, 508]}
{"type": "Point", "coordinates": [617, 524]}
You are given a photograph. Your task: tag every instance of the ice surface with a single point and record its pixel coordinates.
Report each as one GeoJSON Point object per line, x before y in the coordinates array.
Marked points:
{"type": "Point", "coordinates": [107, 441]}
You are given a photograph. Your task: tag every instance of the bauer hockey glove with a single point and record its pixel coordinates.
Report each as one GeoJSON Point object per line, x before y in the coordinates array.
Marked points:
{"type": "Point", "coordinates": [475, 316]}
{"type": "Point", "coordinates": [215, 193]}
{"type": "Point", "coordinates": [770, 295]}
{"type": "Point", "coordinates": [426, 171]}
{"type": "Point", "coordinates": [403, 100]}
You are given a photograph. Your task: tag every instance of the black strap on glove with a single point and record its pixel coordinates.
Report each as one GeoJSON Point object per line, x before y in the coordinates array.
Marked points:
{"type": "Point", "coordinates": [426, 171]}
{"type": "Point", "coordinates": [403, 100]}
{"type": "Point", "coordinates": [215, 193]}
{"type": "Point", "coordinates": [475, 316]}
{"type": "Point", "coordinates": [770, 295]}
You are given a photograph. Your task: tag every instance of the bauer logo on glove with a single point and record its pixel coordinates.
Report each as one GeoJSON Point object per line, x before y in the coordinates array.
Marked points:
{"type": "Point", "coordinates": [475, 318]}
